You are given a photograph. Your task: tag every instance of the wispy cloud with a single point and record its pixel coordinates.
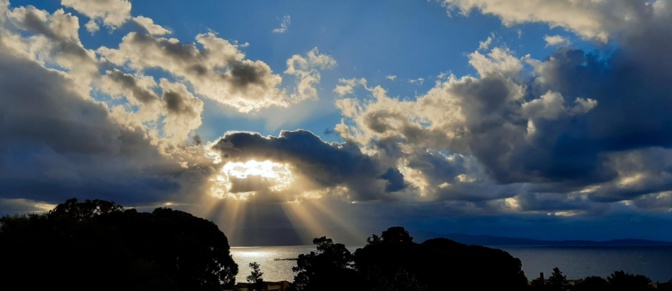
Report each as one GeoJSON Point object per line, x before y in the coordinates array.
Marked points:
{"type": "Point", "coordinates": [284, 24]}
{"type": "Point", "coordinates": [418, 81]}
{"type": "Point", "coordinates": [484, 45]}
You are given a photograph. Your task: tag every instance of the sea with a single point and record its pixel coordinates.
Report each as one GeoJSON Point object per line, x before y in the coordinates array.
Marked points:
{"type": "Point", "coordinates": [655, 262]}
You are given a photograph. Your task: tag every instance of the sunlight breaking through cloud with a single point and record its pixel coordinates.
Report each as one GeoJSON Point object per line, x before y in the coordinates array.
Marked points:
{"type": "Point", "coordinates": [275, 176]}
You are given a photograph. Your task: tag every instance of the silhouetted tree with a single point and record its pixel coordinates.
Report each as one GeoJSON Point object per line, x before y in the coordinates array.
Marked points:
{"type": "Point", "coordinates": [387, 256]}
{"type": "Point", "coordinates": [557, 281]}
{"type": "Point", "coordinates": [255, 277]}
{"type": "Point", "coordinates": [97, 245]}
{"type": "Point", "coordinates": [436, 264]}
{"type": "Point", "coordinates": [82, 211]}
{"type": "Point", "coordinates": [622, 281]}
{"type": "Point", "coordinates": [396, 235]}
{"type": "Point", "coordinates": [330, 268]}
{"type": "Point", "coordinates": [592, 283]}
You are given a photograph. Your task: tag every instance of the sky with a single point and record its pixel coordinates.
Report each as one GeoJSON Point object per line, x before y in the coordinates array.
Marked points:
{"type": "Point", "coordinates": [286, 120]}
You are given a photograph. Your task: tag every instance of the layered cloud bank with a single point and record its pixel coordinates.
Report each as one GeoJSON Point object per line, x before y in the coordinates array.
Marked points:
{"type": "Point", "coordinates": [578, 133]}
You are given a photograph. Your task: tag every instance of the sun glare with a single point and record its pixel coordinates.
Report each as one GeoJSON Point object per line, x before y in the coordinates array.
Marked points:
{"type": "Point", "coordinates": [265, 169]}
{"type": "Point", "coordinates": [271, 175]}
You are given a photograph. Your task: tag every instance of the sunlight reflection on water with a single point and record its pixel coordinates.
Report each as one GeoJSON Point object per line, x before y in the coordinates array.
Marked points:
{"type": "Point", "coordinates": [274, 270]}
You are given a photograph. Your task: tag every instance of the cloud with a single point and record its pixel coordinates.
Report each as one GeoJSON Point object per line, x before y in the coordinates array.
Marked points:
{"type": "Point", "coordinates": [182, 110]}
{"type": "Point", "coordinates": [220, 71]}
{"type": "Point", "coordinates": [20, 205]}
{"type": "Point", "coordinates": [391, 77]}
{"type": "Point", "coordinates": [595, 20]}
{"type": "Point", "coordinates": [71, 146]}
{"type": "Point", "coordinates": [583, 17]}
{"type": "Point", "coordinates": [55, 151]}
{"type": "Point", "coordinates": [49, 39]}
{"type": "Point", "coordinates": [306, 69]}
{"type": "Point", "coordinates": [347, 86]}
{"type": "Point", "coordinates": [550, 131]}
{"type": "Point", "coordinates": [337, 170]}
{"type": "Point", "coordinates": [485, 45]}
{"type": "Point", "coordinates": [137, 125]}
{"type": "Point", "coordinates": [137, 90]}
{"type": "Point", "coordinates": [284, 24]}
{"type": "Point", "coordinates": [547, 106]}
{"type": "Point", "coordinates": [573, 137]}
{"type": "Point", "coordinates": [418, 81]}
{"type": "Point", "coordinates": [112, 13]}
{"type": "Point", "coordinates": [498, 61]}
{"type": "Point", "coordinates": [556, 134]}
{"type": "Point", "coordinates": [178, 110]}
{"type": "Point", "coordinates": [148, 25]}
{"type": "Point", "coordinates": [556, 40]}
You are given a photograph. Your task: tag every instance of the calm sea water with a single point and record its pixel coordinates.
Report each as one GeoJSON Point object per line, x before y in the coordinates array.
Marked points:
{"type": "Point", "coordinates": [270, 261]}
{"type": "Point", "coordinates": [579, 262]}
{"type": "Point", "coordinates": [574, 262]}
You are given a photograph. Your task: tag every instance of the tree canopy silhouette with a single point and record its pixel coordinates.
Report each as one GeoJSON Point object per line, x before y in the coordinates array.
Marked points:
{"type": "Point", "coordinates": [621, 281]}
{"type": "Point", "coordinates": [557, 281]}
{"type": "Point", "coordinates": [330, 268]}
{"type": "Point", "coordinates": [393, 262]}
{"type": "Point", "coordinates": [617, 281]}
{"type": "Point", "coordinates": [255, 278]}
{"type": "Point", "coordinates": [592, 283]}
{"type": "Point", "coordinates": [98, 245]}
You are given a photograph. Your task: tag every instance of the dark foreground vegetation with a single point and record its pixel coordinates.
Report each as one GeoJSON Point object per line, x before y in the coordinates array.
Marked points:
{"type": "Point", "coordinates": [617, 281]}
{"type": "Point", "coordinates": [99, 245]}
{"type": "Point", "coordinates": [393, 261]}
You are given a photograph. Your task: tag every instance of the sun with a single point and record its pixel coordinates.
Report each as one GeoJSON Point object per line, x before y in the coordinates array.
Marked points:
{"type": "Point", "coordinates": [267, 174]}
{"type": "Point", "coordinates": [265, 169]}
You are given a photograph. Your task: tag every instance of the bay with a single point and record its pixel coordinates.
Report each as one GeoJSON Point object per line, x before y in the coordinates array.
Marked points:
{"type": "Point", "coordinates": [580, 262]}
{"type": "Point", "coordinates": [574, 262]}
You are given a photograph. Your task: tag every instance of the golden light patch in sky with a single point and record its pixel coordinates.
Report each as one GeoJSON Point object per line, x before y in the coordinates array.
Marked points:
{"type": "Point", "coordinates": [275, 176]}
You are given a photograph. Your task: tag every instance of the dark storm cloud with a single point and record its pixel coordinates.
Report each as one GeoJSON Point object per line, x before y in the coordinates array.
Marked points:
{"type": "Point", "coordinates": [612, 143]}
{"type": "Point", "coordinates": [57, 145]}
{"type": "Point", "coordinates": [571, 151]}
{"type": "Point", "coordinates": [634, 97]}
{"type": "Point", "coordinates": [498, 133]}
{"type": "Point", "coordinates": [395, 180]}
{"type": "Point", "coordinates": [325, 164]}
{"type": "Point", "coordinates": [551, 202]}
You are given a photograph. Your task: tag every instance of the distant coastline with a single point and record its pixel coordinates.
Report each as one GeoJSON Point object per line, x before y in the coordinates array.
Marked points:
{"type": "Point", "coordinates": [488, 240]}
